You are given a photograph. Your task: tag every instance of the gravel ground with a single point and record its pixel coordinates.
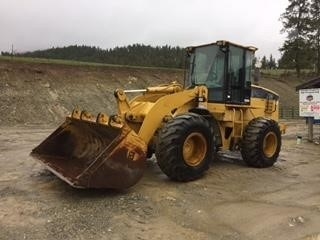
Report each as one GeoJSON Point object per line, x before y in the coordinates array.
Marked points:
{"type": "Point", "coordinates": [231, 201]}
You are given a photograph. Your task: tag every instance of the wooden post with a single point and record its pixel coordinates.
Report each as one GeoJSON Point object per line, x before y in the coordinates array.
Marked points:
{"type": "Point", "coordinates": [310, 129]}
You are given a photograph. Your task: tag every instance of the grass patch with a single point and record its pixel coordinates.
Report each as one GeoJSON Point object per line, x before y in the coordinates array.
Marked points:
{"type": "Point", "coordinates": [282, 73]}
{"type": "Point", "coordinates": [77, 63]}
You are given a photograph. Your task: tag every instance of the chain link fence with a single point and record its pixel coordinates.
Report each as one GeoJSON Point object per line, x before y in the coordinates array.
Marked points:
{"type": "Point", "coordinates": [289, 112]}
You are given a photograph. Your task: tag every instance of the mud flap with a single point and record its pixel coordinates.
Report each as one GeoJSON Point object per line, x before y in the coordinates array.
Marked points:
{"type": "Point", "coordinates": [91, 155]}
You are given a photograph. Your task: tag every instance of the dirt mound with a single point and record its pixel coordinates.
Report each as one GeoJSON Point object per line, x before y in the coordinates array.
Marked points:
{"type": "Point", "coordinates": [44, 93]}
{"type": "Point", "coordinates": [35, 93]}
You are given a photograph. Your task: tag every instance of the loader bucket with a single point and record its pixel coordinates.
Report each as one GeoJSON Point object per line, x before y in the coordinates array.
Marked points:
{"type": "Point", "coordinates": [91, 155]}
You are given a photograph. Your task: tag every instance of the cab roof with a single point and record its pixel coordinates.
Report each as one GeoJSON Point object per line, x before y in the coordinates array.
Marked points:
{"type": "Point", "coordinates": [223, 43]}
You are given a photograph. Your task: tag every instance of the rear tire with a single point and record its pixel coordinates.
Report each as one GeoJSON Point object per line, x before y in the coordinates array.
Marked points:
{"type": "Point", "coordinates": [261, 143]}
{"type": "Point", "coordinates": [183, 149]}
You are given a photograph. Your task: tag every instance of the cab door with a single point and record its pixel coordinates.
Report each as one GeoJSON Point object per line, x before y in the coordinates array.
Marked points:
{"type": "Point", "coordinates": [238, 85]}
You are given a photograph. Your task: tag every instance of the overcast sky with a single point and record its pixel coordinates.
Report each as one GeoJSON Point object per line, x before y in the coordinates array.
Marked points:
{"type": "Point", "coordinates": [40, 24]}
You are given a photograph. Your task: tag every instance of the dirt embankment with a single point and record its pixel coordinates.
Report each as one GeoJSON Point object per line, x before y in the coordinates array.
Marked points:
{"type": "Point", "coordinates": [33, 93]}
{"type": "Point", "coordinates": [38, 93]}
{"type": "Point", "coordinates": [285, 87]}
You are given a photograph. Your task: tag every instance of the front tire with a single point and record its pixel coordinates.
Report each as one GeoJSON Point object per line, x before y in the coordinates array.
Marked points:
{"type": "Point", "coordinates": [261, 143]}
{"type": "Point", "coordinates": [183, 149]}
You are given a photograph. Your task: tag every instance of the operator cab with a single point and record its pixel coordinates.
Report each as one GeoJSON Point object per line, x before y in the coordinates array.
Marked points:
{"type": "Point", "coordinates": [224, 68]}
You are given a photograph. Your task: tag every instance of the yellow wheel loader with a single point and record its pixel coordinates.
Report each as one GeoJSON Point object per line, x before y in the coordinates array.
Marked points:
{"type": "Point", "coordinates": [184, 126]}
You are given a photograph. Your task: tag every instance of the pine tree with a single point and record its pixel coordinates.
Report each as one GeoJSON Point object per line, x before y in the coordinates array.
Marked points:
{"type": "Point", "coordinates": [295, 22]}
{"type": "Point", "coordinates": [315, 31]}
{"type": "Point", "coordinates": [264, 63]}
{"type": "Point", "coordinates": [272, 62]}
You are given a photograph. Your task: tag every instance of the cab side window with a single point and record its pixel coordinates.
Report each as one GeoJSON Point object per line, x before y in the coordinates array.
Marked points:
{"type": "Point", "coordinates": [236, 73]}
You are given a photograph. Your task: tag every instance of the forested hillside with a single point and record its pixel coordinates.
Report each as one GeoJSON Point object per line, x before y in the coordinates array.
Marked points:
{"type": "Point", "coordinates": [134, 55]}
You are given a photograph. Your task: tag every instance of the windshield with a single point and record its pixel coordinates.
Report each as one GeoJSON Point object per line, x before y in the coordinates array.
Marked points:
{"type": "Point", "coordinates": [207, 66]}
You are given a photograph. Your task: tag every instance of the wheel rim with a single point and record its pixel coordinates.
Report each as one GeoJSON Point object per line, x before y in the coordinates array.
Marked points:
{"type": "Point", "coordinates": [194, 149]}
{"type": "Point", "coordinates": [270, 143]}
